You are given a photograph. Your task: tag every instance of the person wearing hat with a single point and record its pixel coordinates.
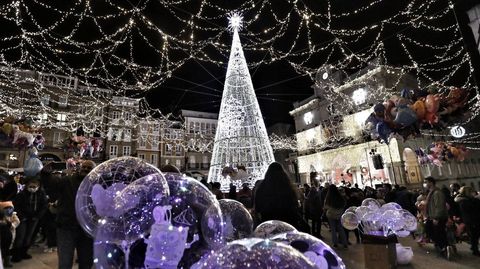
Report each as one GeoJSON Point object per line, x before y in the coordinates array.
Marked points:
{"type": "Point", "coordinates": [31, 204]}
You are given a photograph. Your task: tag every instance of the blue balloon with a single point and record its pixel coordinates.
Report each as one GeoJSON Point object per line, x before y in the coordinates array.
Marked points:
{"type": "Point", "coordinates": [32, 167]}
{"type": "Point", "coordinates": [405, 116]}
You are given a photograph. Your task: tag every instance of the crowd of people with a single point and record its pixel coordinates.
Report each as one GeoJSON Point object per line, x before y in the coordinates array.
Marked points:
{"type": "Point", "coordinates": [446, 215]}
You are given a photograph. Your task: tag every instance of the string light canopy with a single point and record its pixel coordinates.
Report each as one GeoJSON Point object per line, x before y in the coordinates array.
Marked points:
{"type": "Point", "coordinates": [126, 48]}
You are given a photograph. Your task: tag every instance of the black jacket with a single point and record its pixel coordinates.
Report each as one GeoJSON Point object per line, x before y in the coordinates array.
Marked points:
{"type": "Point", "coordinates": [65, 189]}
{"type": "Point", "coordinates": [469, 209]}
{"type": "Point", "coordinates": [30, 205]}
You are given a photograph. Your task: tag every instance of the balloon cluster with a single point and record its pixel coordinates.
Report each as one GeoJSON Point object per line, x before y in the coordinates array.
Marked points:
{"type": "Point", "coordinates": [20, 133]}
{"type": "Point", "coordinates": [374, 219]}
{"type": "Point", "coordinates": [404, 115]}
{"type": "Point", "coordinates": [142, 218]}
{"type": "Point", "coordinates": [439, 152]}
{"type": "Point", "coordinates": [275, 244]}
{"type": "Point", "coordinates": [83, 147]}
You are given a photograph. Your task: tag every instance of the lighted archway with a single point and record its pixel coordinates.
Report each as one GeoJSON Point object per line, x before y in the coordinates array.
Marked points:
{"type": "Point", "coordinates": [412, 168]}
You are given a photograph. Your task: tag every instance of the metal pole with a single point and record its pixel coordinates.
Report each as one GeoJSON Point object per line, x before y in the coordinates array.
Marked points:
{"type": "Point", "coordinates": [391, 163]}
{"type": "Point", "coordinates": [368, 164]}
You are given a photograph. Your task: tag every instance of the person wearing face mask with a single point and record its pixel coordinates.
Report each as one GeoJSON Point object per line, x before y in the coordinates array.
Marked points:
{"type": "Point", "coordinates": [31, 204]}
{"type": "Point", "coordinates": [70, 236]}
{"type": "Point", "coordinates": [437, 215]}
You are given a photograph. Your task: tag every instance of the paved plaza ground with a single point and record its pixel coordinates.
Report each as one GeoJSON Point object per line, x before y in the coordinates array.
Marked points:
{"type": "Point", "coordinates": [424, 258]}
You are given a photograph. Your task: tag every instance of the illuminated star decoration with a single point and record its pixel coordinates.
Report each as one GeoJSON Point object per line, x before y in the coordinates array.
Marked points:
{"type": "Point", "coordinates": [235, 21]}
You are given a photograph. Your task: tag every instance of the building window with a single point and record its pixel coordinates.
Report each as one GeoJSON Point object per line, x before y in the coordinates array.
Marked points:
{"type": "Point", "coordinates": [127, 116]}
{"type": "Point", "coordinates": [142, 143]}
{"type": "Point", "coordinates": [115, 133]}
{"type": "Point", "coordinates": [204, 159]}
{"type": "Point", "coordinates": [168, 147]}
{"type": "Point", "coordinates": [197, 127]}
{"type": "Point", "coordinates": [178, 163]}
{"type": "Point", "coordinates": [192, 159]}
{"type": "Point", "coordinates": [154, 141]}
{"type": "Point", "coordinates": [113, 151]}
{"type": "Point", "coordinates": [99, 112]}
{"type": "Point", "coordinates": [45, 100]}
{"type": "Point", "coordinates": [57, 138]}
{"type": "Point", "coordinates": [43, 117]}
{"type": "Point", "coordinates": [141, 156]}
{"type": "Point", "coordinates": [61, 118]}
{"type": "Point", "coordinates": [127, 135]}
{"type": "Point", "coordinates": [126, 150]}
{"type": "Point", "coordinates": [178, 149]}
{"type": "Point", "coordinates": [191, 128]}
{"type": "Point", "coordinates": [63, 101]}
{"type": "Point", "coordinates": [115, 115]}
{"type": "Point", "coordinates": [156, 127]}
{"type": "Point", "coordinates": [214, 127]}
{"type": "Point", "coordinates": [153, 159]}
{"type": "Point", "coordinates": [167, 161]}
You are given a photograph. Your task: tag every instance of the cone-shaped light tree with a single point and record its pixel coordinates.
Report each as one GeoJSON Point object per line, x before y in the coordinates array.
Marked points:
{"type": "Point", "coordinates": [241, 138]}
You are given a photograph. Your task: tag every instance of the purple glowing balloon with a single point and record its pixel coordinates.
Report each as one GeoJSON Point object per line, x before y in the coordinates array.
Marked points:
{"type": "Point", "coordinates": [115, 171]}
{"type": "Point", "coordinates": [194, 206]}
{"type": "Point", "coordinates": [272, 227]}
{"type": "Point", "coordinates": [371, 203]}
{"type": "Point", "coordinates": [256, 253]}
{"type": "Point", "coordinates": [237, 220]}
{"type": "Point", "coordinates": [317, 251]}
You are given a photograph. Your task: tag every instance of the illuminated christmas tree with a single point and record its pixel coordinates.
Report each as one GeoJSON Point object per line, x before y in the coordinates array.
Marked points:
{"type": "Point", "coordinates": [241, 138]}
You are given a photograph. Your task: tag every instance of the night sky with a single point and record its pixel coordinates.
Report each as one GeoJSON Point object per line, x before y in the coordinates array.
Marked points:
{"type": "Point", "coordinates": [198, 85]}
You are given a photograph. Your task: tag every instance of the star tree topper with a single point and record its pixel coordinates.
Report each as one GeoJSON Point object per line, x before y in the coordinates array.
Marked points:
{"type": "Point", "coordinates": [235, 21]}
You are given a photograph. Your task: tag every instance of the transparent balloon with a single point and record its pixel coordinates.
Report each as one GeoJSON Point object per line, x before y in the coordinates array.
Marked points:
{"type": "Point", "coordinates": [371, 203]}
{"type": "Point", "coordinates": [410, 221]}
{"type": "Point", "coordinates": [371, 222]}
{"type": "Point", "coordinates": [107, 254]}
{"type": "Point", "coordinates": [392, 220]}
{"type": "Point", "coordinates": [361, 211]}
{"type": "Point", "coordinates": [238, 222]}
{"type": "Point", "coordinates": [256, 253]}
{"type": "Point", "coordinates": [137, 201]}
{"type": "Point", "coordinates": [391, 206]}
{"type": "Point", "coordinates": [317, 251]}
{"type": "Point", "coordinates": [195, 207]}
{"type": "Point", "coordinates": [121, 170]}
{"type": "Point", "coordinates": [351, 209]}
{"type": "Point", "coordinates": [350, 221]}
{"type": "Point", "coordinates": [270, 228]}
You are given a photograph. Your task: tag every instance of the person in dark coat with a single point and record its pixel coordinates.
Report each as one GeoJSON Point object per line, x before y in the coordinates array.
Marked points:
{"type": "Point", "coordinates": [469, 210]}
{"type": "Point", "coordinates": [314, 203]}
{"type": "Point", "coordinates": [276, 198]}
{"type": "Point", "coordinates": [30, 205]}
{"type": "Point", "coordinates": [70, 235]}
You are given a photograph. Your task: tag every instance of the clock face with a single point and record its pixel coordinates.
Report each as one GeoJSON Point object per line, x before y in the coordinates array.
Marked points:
{"type": "Point", "coordinates": [325, 75]}
{"type": "Point", "coordinates": [457, 131]}
{"type": "Point", "coordinates": [308, 118]}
